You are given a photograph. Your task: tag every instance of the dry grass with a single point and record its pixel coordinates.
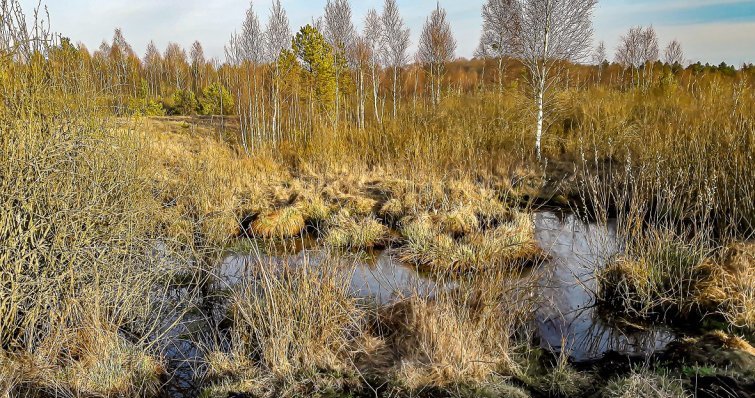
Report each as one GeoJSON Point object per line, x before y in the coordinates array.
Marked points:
{"type": "Point", "coordinates": [459, 221]}
{"type": "Point", "coordinates": [92, 360]}
{"type": "Point", "coordinates": [729, 285]}
{"type": "Point", "coordinates": [672, 278]}
{"type": "Point", "coordinates": [77, 226]}
{"type": "Point", "coordinates": [462, 337]}
{"type": "Point", "coordinates": [643, 383]}
{"type": "Point", "coordinates": [292, 327]}
{"type": "Point", "coordinates": [657, 278]}
{"type": "Point", "coordinates": [347, 232]}
{"type": "Point", "coordinates": [282, 223]}
{"type": "Point", "coordinates": [427, 244]}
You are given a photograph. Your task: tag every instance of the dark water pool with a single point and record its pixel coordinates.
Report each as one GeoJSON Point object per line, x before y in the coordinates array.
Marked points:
{"type": "Point", "coordinates": [566, 321]}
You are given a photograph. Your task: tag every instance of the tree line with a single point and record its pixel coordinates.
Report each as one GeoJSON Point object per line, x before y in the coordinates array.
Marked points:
{"type": "Point", "coordinates": [285, 85]}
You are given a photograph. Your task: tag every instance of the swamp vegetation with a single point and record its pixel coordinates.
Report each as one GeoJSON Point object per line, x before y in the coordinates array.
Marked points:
{"type": "Point", "coordinates": [426, 254]}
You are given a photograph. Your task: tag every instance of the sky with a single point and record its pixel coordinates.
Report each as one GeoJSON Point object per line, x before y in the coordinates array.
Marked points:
{"type": "Point", "coordinates": [709, 30]}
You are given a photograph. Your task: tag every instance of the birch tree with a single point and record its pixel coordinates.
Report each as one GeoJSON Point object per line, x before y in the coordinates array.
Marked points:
{"type": "Point", "coordinates": [251, 42]}
{"type": "Point", "coordinates": [153, 66]}
{"type": "Point", "coordinates": [674, 55]}
{"type": "Point", "coordinates": [361, 56]}
{"type": "Point", "coordinates": [553, 32]}
{"type": "Point", "coordinates": [637, 49]}
{"type": "Point", "coordinates": [278, 38]}
{"type": "Point", "coordinates": [599, 56]}
{"type": "Point", "coordinates": [395, 44]}
{"type": "Point", "coordinates": [373, 37]}
{"type": "Point", "coordinates": [247, 50]}
{"type": "Point", "coordinates": [340, 34]}
{"type": "Point", "coordinates": [198, 62]}
{"type": "Point", "coordinates": [437, 47]}
{"type": "Point", "coordinates": [501, 25]}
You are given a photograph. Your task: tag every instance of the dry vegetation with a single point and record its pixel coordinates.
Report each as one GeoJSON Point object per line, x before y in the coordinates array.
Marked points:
{"type": "Point", "coordinates": [101, 208]}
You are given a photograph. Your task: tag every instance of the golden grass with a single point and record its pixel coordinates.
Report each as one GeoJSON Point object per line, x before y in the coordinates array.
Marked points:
{"type": "Point", "coordinates": [729, 285]}
{"type": "Point", "coordinates": [92, 361]}
{"type": "Point", "coordinates": [461, 337]}
{"type": "Point", "coordinates": [106, 364]}
{"type": "Point", "coordinates": [294, 325]}
{"type": "Point", "coordinates": [427, 244]}
{"type": "Point", "coordinates": [657, 277]}
{"type": "Point", "coordinates": [459, 221]}
{"type": "Point", "coordinates": [677, 278]}
{"type": "Point", "coordinates": [314, 209]}
{"type": "Point", "coordinates": [347, 232]}
{"type": "Point", "coordinates": [282, 223]}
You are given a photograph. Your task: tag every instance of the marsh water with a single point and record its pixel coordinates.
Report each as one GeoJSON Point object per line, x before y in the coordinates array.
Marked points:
{"type": "Point", "coordinates": [566, 320]}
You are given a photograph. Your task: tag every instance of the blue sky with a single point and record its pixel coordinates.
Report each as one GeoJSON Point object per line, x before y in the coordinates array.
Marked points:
{"type": "Point", "coordinates": [710, 30]}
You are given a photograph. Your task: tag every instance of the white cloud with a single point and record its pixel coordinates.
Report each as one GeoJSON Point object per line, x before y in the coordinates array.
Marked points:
{"type": "Point", "coordinates": [212, 22]}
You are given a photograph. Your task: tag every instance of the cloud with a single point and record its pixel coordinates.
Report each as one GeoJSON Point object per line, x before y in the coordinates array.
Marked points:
{"type": "Point", "coordinates": [712, 30]}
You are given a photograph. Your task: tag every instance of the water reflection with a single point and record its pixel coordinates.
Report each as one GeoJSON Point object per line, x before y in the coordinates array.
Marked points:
{"type": "Point", "coordinates": [566, 320]}
{"type": "Point", "coordinates": [378, 276]}
{"type": "Point", "coordinates": [569, 317]}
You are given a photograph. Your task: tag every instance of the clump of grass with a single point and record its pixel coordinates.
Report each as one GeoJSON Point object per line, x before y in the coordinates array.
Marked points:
{"type": "Point", "coordinates": [657, 279]}
{"type": "Point", "coordinates": [673, 277]}
{"type": "Point", "coordinates": [106, 364]}
{"type": "Point", "coordinates": [459, 221]}
{"type": "Point", "coordinates": [461, 337]}
{"type": "Point", "coordinates": [294, 327]}
{"type": "Point", "coordinates": [729, 285]}
{"type": "Point", "coordinates": [282, 223]}
{"type": "Point", "coordinates": [423, 242]}
{"type": "Point", "coordinates": [427, 244]}
{"type": "Point", "coordinates": [392, 211]}
{"type": "Point", "coordinates": [358, 205]}
{"type": "Point", "coordinates": [315, 210]}
{"type": "Point", "coordinates": [643, 383]}
{"type": "Point", "coordinates": [562, 380]}
{"type": "Point", "coordinates": [94, 361]}
{"type": "Point", "coordinates": [348, 232]}
{"type": "Point", "coordinates": [492, 213]}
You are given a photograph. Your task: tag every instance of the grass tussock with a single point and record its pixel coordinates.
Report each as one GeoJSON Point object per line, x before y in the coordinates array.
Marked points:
{"type": "Point", "coordinates": [94, 362]}
{"type": "Point", "coordinates": [282, 223]}
{"type": "Point", "coordinates": [292, 327]}
{"type": "Point", "coordinates": [677, 278]}
{"type": "Point", "coordinates": [730, 285]}
{"type": "Point", "coordinates": [643, 383]}
{"type": "Point", "coordinates": [467, 336]}
{"type": "Point", "coordinates": [658, 279]}
{"type": "Point", "coordinates": [428, 244]}
{"type": "Point", "coordinates": [347, 232]}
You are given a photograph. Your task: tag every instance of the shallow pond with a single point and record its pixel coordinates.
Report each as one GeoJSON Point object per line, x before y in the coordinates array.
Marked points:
{"type": "Point", "coordinates": [569, 320]}
{"type": "Point", "coordinates": [566, 321]}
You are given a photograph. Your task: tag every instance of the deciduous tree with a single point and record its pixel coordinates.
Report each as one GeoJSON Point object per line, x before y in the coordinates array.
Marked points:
{"type": "Point", "coordinates": [553, 32]}
{"type": "Point", "coordinates": [674, 55]}
{"type": "Point", "coordinates": [637, 49]}
{"type": "Point", "coordinates": [373, 36]}
{"type": "Point", "coordinates": [340, 34]}
{"type": "Point", "coordinates": [437, 47]}
{"type": "Point", "coordinates": [501, 25]}
{"type": "Point", "coordinates": [395, 44]}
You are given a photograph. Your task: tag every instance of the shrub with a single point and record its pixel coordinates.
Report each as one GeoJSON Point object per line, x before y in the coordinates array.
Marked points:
{"type": "Point", "coordinates": [182, 102]}
{"type": "Point", "coordinates": [216, 100]}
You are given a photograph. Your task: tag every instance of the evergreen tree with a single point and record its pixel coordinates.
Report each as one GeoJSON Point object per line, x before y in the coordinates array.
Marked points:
{"type": "Point", "coordinates": [318, 65]}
